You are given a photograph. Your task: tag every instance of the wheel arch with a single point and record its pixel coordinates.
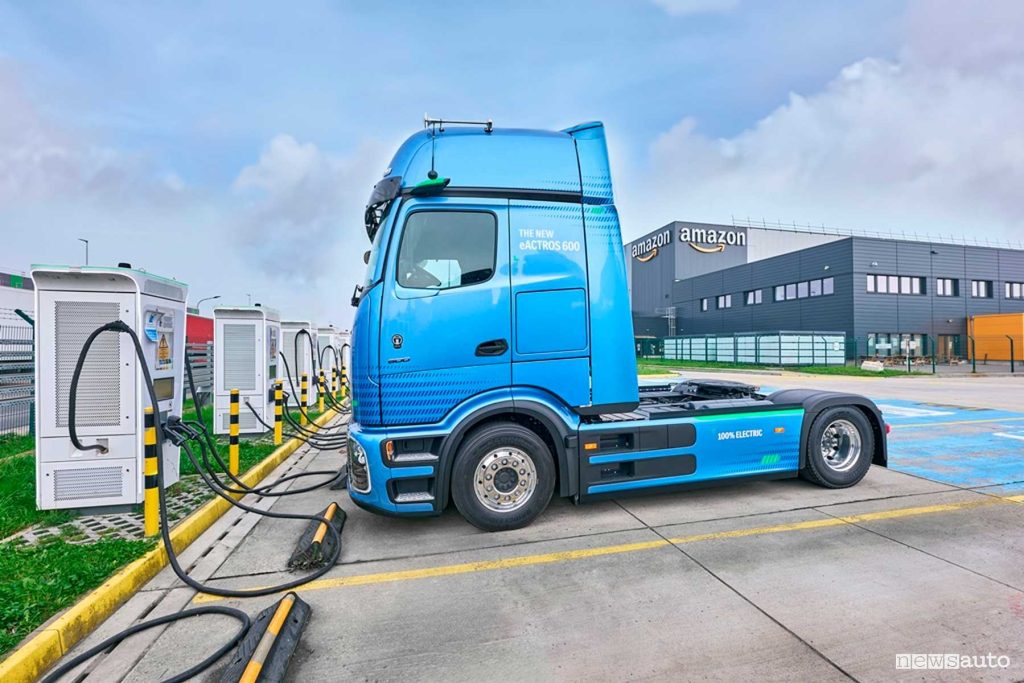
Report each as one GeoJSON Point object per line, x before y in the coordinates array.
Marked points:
{"type": "Point", "coordinates": [815, 402]}
{"type": "Point", "coordinates": [537, 417]}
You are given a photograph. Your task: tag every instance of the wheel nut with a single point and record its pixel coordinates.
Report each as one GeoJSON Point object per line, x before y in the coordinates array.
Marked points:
{"type": "Point", "coordinates": [488, 477]}
{"type": "Point", "coordinates": [504, 461]}
{"type": "Point", "coordinates": [490, 488]}
{"type": "Point", "coordinates": [523, 472]}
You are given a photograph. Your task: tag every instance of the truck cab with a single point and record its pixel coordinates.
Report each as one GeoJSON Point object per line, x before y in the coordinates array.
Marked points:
{"type": "Point", "coordinates": [492, 347]}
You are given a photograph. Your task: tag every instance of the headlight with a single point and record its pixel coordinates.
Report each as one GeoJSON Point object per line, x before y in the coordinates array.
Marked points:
{"type": "Point", "coordinates": [357, 452]}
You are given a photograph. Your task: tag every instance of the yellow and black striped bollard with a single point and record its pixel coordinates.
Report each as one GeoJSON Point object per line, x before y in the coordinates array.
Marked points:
{"type": "Point", "coordinates": [344, 383]}
{"type": "Point", "coordinates": [321, 388]}
{"type": "Point", "coordinates": [151, 506]}
{"type": "Point", "coordinates": [303, 398]}
{"type": "Point", "coordinates": [334, 381]}
{"type": "Point", "coordinates": [233, 433]}
{"type": "Point", "coordinates": [278, 410]}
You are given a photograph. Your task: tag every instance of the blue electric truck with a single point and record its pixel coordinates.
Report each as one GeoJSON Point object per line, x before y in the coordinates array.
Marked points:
{"type": "Point", "coordinates": [492, 350]}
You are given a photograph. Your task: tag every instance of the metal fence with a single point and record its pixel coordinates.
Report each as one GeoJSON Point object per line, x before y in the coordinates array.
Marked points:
{"type": "Point", "coordinates": [760, 348]}
{"type": "Point", "coordinates": [17, 383]}
{"type": "Point", "coordinates": [904, 351]}
{"type": "Point", "coordinates": [200, 355]}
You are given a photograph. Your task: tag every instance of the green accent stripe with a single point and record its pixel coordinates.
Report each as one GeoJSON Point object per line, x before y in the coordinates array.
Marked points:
{"type": "Point", "coordinates": [790, 412]}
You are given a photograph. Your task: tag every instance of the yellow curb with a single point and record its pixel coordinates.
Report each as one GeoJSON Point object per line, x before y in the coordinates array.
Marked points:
{"type": "Point", "coordinates": [29, 661]}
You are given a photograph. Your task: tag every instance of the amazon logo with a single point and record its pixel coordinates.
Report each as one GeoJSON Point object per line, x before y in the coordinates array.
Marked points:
{"type": "Point", "coordinates": [646, 249]}
{"type": "Point", "coordinates": [711, 240]}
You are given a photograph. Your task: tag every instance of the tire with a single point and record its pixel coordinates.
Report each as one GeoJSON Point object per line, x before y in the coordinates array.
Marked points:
{"type": "Point", "coordinates": [840, 446]}
{"type": "Point", "coordinates": [521, 475]}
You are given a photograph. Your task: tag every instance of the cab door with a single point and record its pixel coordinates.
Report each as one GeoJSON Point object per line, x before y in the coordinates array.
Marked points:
{"type": "Point", "coordinates": [445, 321]}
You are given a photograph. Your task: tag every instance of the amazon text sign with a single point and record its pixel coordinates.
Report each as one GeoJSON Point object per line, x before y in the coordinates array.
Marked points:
{"type": "Point", "coordinates": [645, 250]}
{"type": "Point", "coordinates": [709, 240]}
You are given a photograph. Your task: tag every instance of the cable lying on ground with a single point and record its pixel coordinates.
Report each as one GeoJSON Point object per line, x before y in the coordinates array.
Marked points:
{"type": "Point", "coordinates": [181, 433]}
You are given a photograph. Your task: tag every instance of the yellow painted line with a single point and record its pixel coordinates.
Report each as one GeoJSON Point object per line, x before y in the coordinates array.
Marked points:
{"type": "Point", "coordinates": [55, 639]}
{"type": "Point", "coordinates": [570, 555]}
{"type": "Point", "coordinates": [954, 422]}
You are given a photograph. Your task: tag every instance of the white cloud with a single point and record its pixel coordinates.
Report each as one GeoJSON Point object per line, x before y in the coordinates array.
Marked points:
{"type": "Point", "coordinates": [931, 142]}
{"type": "Point", "coordinates": [41, 161]}
{"type": "Point", "coordinates": [301, 223]}
{"type": "Point", "coordinates": [682, 8]}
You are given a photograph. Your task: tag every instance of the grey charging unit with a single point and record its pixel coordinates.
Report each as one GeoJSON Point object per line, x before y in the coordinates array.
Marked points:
{"type": "Point", "coordinates": [71, 302]}
{"type": "Point", "coordinates": [246, 340]}
{"type": "Point", "coordinates": [300, 359]}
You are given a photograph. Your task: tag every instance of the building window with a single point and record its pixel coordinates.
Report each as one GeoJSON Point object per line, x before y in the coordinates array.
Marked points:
{"type": "Point", "coordinates": [981, 289]}
{"type": "Point", "coordinates": [945, 286]}
{"type": "Point", "coordinates": [807, 288]}
{"type": "Point", "coordinates": [754, 297]}
{"type": "Point", "coordinates": [1014, 290]}
{"type": "Point", "coordinates": [724, 301]}
{"type": "Point", "coordinates": [894, 344]}
{"type": "Point", "coordinates": [703, 304]}
{"type": "Point", "coordinates": [895, 284]}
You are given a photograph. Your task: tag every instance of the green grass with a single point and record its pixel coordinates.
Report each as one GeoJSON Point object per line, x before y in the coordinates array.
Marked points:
{"type": "Point", "coordinates": [852, 371]}
{"type": "Point", "coordinates": [40, 581]}
{"type": "Point", "coordinates": [18, 496]}
{"type": "Point", "coordinates": [14, 444]}
{"type": "Point", "coordinates": [655, 366]}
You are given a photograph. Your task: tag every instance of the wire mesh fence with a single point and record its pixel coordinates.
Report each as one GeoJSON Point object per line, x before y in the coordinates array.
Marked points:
{"type": "Point", "coordinates": [200, 355]}
{"type": "Point", "coordinates": [903, 351]}
{"type": "Point", "coordinates": [17, 373]}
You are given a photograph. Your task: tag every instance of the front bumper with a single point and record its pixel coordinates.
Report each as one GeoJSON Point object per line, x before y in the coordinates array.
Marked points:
{"type": "Point", "coordinates": [406, 490]}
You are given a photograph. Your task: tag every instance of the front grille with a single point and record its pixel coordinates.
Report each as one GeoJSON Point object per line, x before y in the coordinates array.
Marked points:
{"type": "Point", "coordinates": [358, 474]}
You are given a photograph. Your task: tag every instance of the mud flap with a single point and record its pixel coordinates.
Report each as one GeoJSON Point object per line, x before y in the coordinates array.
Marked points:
{"type": "Point", "coordinates": [264, 653]}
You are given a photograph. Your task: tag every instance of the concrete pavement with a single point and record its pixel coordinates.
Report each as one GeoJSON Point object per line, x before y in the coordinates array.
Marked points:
{"type": "Point", "coordinates": [768, 581]}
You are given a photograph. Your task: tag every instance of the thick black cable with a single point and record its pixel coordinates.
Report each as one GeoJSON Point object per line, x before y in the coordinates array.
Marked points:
{"type": "Point", "coordinates": [165, 533]}
{"type": "Point", "coordinates": [265, 490]}
{"type": "Point", "coordinates": [110, 642]}
{"type": "Point", "coordinates": [288, 374]}
{"type": "Point", "coordinates": [245, 488]}
{"type": "Point", "coordinates": [316, 370]}
{"type": "Point", "coordinates": [319, 445]}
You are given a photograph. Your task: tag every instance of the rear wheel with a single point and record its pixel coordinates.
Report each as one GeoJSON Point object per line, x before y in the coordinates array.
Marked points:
{"type": "Point", "coordinates": [840, 445]}
{"type": "Point", "coordinates": [503, 477]}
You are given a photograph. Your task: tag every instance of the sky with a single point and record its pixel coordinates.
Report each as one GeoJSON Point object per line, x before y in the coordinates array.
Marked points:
{"type": "Point", "coordinates": [232, 145]}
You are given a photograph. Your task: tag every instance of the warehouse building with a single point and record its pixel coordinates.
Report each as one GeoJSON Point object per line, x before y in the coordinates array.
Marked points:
{"type": "Point", "coordinates": [702, 279]}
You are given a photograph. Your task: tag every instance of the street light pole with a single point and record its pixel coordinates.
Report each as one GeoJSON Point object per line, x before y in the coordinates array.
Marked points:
{"type": "Point", "coordinates": [86, 242]}
{"type": "Point", "coordinates": [206, 298]}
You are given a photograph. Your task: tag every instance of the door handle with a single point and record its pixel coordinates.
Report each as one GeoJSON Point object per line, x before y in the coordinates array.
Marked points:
{"type": "Point", "coordinates": [495, 347]}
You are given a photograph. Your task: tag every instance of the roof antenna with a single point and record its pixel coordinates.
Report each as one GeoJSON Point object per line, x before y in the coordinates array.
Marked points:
{"type": "Point", "coordinates": [433, 123]}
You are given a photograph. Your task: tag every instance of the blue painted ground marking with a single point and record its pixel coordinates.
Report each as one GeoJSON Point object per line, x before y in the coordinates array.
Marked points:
{"type": "Point", "coordinates": [955, 445]}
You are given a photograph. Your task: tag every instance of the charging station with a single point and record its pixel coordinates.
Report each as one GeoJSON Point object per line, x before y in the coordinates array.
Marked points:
{"type": "Point", "coordinates": [329, 336]}
{"type": "Point", "coordinates": [246, 340]}
{"type": "Point", "coordinates": [300, 359]}
{"type": "Point", "coordinates": [71, 302]}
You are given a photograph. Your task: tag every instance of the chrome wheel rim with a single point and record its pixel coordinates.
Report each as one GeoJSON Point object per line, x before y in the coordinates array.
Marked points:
{"type": "Point", "coordinates": [505, 479]}
{"type": "Point", "coordinates": [840, 445]}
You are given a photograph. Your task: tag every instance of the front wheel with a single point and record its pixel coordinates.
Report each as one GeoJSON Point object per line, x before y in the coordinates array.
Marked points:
{"type": "Point", "coordinates": [840, 446]}
{"type": "Point", "coordinates": [503, 477]}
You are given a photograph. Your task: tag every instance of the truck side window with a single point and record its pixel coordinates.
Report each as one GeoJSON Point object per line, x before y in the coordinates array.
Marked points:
{"type": "Point", "coordinates": [447, 249]}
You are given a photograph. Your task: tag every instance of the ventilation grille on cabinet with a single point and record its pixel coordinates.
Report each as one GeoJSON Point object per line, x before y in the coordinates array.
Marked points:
{"type": "Point", "coordinates": [164, 290]}
{"type": "Point", "coordinates": [94, 482]}
{"type": "Point", "coordinates": [246, 420]}
{"type": "Point", "coordinates": [239, 354]}
{"type": "Point", "coordinates": [99, 392]}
